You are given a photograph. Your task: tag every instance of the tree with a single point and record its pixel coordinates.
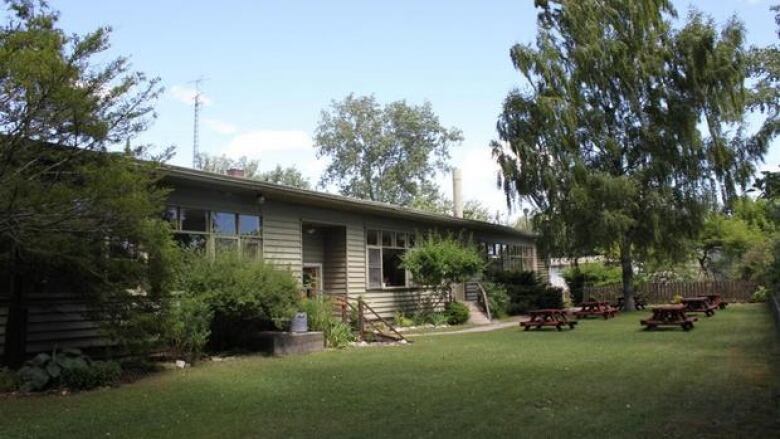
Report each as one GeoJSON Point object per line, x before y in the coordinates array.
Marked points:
{"type": "Point", "coordinates": [604, 139]}
{"type": "Point", "coordinates": [287, 176]}
{"type": "Point", "coordinates": [387, 153]}
{"type": "Point", "coordinates": [435, 202]}
{"type": "Point", "coordinates": [74, 217]}
{"type": "Point", "coordinates": [290, 176]}
{"type": "Point", "coordinates": [438, 263]}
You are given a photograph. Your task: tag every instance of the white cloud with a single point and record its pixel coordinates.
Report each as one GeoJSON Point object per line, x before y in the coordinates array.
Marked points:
{"type": "Point", "coordinates": [186, 95]}
{"type": "Point", "coordinates": [258, 142]}
{"type": "Point", "coordinates": [219, 126]}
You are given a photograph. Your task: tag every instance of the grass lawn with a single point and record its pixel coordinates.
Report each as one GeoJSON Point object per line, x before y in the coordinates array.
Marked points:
{"type": "Point", "coordinates": [604, 379]}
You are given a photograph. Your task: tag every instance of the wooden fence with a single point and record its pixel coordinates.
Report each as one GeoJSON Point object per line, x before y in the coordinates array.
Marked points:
{"type": "Point", "coordinates": [729, 290]}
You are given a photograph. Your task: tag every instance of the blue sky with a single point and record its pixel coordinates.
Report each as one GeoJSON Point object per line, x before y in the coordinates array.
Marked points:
{"type": "Point", "coordinates": [271, 67]}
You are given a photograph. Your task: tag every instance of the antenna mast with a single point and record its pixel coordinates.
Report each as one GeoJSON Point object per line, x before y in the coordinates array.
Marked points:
{"type": "Point", "coordinates": [195, 126]}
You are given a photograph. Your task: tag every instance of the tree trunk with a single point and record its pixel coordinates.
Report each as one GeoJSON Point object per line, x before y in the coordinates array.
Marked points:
{"type": "Point", "coordinates": [16, 323]}
{"type": "Point", "coordinates": [626, 263]}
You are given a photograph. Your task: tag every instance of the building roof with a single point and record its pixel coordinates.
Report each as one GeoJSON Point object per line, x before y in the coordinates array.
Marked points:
{"type": "Point", "coordinates": [273, 191]}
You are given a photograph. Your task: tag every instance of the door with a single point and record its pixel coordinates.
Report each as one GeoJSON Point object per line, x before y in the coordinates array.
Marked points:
{"type": "Point", "coordinates": [312, 279]}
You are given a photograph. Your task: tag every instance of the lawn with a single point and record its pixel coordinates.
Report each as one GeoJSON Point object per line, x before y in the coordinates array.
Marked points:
{"type": "Point", "coordinates": [604, 379]}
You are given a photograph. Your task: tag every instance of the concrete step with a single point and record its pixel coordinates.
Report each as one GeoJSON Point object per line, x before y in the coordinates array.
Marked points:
{"type": "Point", "coordinates": [476, 315]}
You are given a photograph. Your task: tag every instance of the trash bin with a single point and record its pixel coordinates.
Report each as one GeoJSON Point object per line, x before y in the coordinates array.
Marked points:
{"type": "Point", "coordinates": [300, 323]}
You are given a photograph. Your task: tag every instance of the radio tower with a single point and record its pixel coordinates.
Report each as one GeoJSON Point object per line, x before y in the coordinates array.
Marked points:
{"type": "Point", "coordinates": [195, 126]}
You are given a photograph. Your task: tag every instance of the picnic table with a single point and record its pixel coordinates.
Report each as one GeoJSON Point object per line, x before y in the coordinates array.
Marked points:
{"type": "Point", "coordinates": [699, 304]}
{"type": "Point", "coordinates": [669, 315]}
{"type": "Point", "coordinates": [717, 301]}
{"type": "Point", "coordinates": [596, 308]}
{"type": "Point", "coordinates": [548, 317]}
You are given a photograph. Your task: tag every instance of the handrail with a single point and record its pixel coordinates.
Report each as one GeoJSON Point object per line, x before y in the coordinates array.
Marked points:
{"type": "Point", "coordinates": [485, 300]}
{"type": "Point", "coordinates": [362, 320]}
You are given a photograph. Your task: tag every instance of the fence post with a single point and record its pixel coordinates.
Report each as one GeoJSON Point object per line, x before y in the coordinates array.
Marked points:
{"type": "Point", "coordinates": [361, 318]}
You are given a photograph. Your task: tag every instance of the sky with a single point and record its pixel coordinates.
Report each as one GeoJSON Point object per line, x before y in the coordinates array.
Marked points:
{"type": "Point", "coordinates": [271, 67]}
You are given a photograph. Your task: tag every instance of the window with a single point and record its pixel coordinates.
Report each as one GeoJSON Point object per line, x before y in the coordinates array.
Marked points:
{"type": "Point", "coordinates": [217, 232]}
{"type": "Point", "coordinates": [193, 220]}
{"type": "Point", "coordinates": [224, 223]}
{"type": "Point", "coordinates": [385, 251]}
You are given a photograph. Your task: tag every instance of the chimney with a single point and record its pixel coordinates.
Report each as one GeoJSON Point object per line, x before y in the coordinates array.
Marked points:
{"type": "Point", "coordinates": [235, 172]}
{"type": "Point", "coordinates": [457, 193]}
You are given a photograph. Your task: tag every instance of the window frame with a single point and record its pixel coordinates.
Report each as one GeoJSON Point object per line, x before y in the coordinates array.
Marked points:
{"type": "Point", "coordinates": [380, 233]}
{"type": "Point", "coordinates": [212, 236]}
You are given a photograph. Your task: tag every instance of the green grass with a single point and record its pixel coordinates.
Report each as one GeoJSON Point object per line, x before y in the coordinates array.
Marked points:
{"type": "Point", "coordinates": [604, 379]}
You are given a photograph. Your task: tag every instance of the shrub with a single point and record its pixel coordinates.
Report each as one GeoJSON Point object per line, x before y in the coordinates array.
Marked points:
{"type": "Point", "coordinates": [8, 380]}
{"type": "Point", "coordinates": [402, 320]}
{"type": "Point", "coordinates": [439, 262]}
{"type": "Point", "coordinates": [457, 313]}
{"type": "Point", "coordinates": [440, 319]}
{"type": "Point", "coordinates": [189, 327]}
{"type": "Point", "coordinates": [319, 311]}
{"type": "Point", "coordinates": [245, 296]}
{"type": "Point", "coordinates": [96, 374]}
{"type": "Point", "coordinates": [68, 367]}
{"type": "Point", "coordinates": [526, 291]}
{"type": "Point", "coordinates": [591, 274]}
{"type": "Point", "coordinates": [760, 295]}
{"type": "Point", "coordinates": [498, 299]}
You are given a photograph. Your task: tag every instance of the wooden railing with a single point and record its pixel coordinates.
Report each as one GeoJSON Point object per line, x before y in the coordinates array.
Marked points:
{"type": "Point", "coordinates": [729, 290]}
{"type": "Point", "coordinates": [366, 317]}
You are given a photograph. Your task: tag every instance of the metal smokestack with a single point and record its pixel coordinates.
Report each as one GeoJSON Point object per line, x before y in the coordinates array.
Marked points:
{"type": "Point", "coordinates": [457, 193]}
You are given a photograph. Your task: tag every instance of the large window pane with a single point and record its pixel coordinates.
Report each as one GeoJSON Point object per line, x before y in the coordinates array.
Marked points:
{"type": "Point", "coordinates": [374, 268]}
{"type": "Point", "coordinates": [249, 225]}
{"type": "Point", "coordinates": [193, 220]}
{"type": "Point", "coordinates": [392, 272]}
{"type": "Point", "coordinates": [191, 241]}
{"type": "Point", "coordinates": [251, 248]}
{"type": "Point", "coordinates": [400, 239]}
{"type": "Point", "coordinates": [223, 245]}
{"type": "Point", "coordinates": [372, 237]}
{"type": "Point", "coordinates": [387, 239]}
{"type": "Point", "coordinates": [224, 223]}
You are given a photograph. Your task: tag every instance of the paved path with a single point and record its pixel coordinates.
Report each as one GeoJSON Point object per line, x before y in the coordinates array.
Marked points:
{"type": "Point", "coordinates": [512, 322]}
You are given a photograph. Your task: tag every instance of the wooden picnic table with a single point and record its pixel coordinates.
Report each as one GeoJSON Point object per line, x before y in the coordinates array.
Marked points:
{"type": "Point", "coordinates": [669, 315]}
{"type": "Point", "coordinates": [717, 301]}
{"type": "Point", "coordinates": [596, 308]}
{"type": "Point", "coordinates": [699, 304]}
{"type": "Point", "coordinates": [548, 317]}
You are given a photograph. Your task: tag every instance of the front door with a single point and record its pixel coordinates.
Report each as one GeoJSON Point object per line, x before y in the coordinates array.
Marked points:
{"type": "Point", "coordinates": [312, 279]}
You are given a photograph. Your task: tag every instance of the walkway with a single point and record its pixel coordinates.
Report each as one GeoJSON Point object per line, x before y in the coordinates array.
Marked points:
{"type": "Point", "coordinates": [511, 322]}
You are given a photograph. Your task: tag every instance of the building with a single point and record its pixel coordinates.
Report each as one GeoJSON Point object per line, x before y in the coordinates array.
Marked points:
{"type": "Point", "coordinates": [332, 244]}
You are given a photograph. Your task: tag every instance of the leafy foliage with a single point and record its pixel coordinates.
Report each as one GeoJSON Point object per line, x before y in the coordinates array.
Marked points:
{"type": "Point", "coordinates": [189, 327]}
{"type": "Point", "coordinates": [498, 299]}
{"type": "Point", "coordinates": [527, 291]}
{"type": "Point", "coordinates": [604, 138]}
{"type": "Point", "coordinates": [8, 380]}
{"type": "Point", "coordinates": [387, 153]}
{"type": "Point", "coordinates": [590, 275]}
{"type": "Point", "coordinates": [439, 262]}
{"type": "Point", "coordinates": [68, 367]}
{"type": "Point", "coordinates": [244, 295]}
{"type": "Point", "coordinates": [320, 315]}
{"type": "Point", "coordinates": [289, 176]}
{"type": "Point", "coordinates": [435, 202]}
{"type": "Point", "coordinates": [457, 313]}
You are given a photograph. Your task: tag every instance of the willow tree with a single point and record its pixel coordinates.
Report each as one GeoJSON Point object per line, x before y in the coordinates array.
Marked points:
{"type": "Point", "coordinates": [626, 128]}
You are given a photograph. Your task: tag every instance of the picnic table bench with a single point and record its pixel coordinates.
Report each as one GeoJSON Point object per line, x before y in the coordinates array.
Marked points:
{"type": "Point", "coordinates": [548, 317]}
{"type": "Point", "coordinates": [596, 308]}
{"type": "Point", "coordinates": [717, 301]}
{"type": "Point", "coordinates": [669, 315]}
{"type": "Point", "coordinates": [699, 304]}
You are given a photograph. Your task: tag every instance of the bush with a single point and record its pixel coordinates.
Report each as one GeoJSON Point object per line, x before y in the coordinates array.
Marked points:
{"type": "Point", "coordinates": [498, 299]}
{"type": "Point", "coordinates": [591, 275]}
{"type": "Point", "coordinates": [245, 296]}
{"type": "Point", "coordinates": [189, 327]}
{"type": "Point", "coordinates": [760, 295]}
{"type": "Point", "coordinates": [402, 320]}
{"type": "Point", "coordinates": [440, 319]}
{"type": "Point", "coordinates": [526, 291]}
{"type": "Point", "coordinates": [96, 374]}
{"type": "Point", "coordinates": [68, 367]}
{"type": "Point", "coordinates": [457, 313]}
{"type": "Point", "coordinates": [8, 380]}
{"type": "Point", "coordinates": [319, 311]}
